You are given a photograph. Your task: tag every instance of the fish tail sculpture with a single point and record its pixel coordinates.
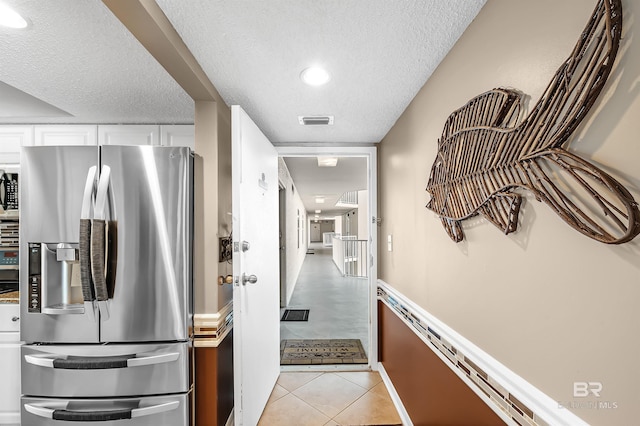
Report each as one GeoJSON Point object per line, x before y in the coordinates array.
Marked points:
{"type": "Point", "coordinates": [488, 151]}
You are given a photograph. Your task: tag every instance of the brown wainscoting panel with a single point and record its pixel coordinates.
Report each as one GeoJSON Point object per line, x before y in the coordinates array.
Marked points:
{"type": "Point", "coordinates": [430, 391]}
{"type": "Point", "coordinates": [214, 383]}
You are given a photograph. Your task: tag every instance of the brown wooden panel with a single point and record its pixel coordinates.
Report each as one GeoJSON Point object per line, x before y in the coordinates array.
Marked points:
{"type": "Point", "coordinates": [214, 383]}
{"type": "Point", "coordinates": [431, 392]}
{"type": "Point", "coordinates": [225, 379]}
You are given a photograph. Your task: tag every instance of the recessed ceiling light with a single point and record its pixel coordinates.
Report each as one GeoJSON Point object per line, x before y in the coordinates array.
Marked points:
{"type": "Point", "coordinates": [327, 161]}
{"type": "Point", "coordinates": [318, 211]}
{"type": "Point", "coordinates": [10, 18]}
{"type": "Point", "coordinates": [314, 76]}
{"type": "Point", "coordinates": [320, 200]}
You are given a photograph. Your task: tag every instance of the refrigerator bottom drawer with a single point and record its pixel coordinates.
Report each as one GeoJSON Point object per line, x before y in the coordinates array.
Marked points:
{"type": "Point", "coordinates": [153, 411]}
{"type": "Point", "coordinates": [94, 371]}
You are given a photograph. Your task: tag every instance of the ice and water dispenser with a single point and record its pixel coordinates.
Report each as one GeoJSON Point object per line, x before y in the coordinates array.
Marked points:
{"type": "Point", "coordinates": [54, 279]}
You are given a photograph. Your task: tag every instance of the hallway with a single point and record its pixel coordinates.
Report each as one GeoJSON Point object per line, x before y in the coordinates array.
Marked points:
{"type": "Point", "coordinates": [338, 306]}
{"type": "Point", "coordinates": [338, 309]}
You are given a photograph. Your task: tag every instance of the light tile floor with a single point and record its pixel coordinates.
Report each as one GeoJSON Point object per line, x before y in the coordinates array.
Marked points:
{"type": "Point", "coordinates": [338, 309]}
{"type": "Point", "coordinates": [338, 306]}
{"type": "Point", "coordinates": [336, 398]}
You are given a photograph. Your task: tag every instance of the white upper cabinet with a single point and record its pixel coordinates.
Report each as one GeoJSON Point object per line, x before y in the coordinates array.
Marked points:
{"type": "Point", "coordinates": [133, 134]}
{"type": "Point", "coordinates": [11, 139]}
{"type": "Point", "coordinates": [178, 135]}
{"type": "Point", "coordinates": [66, 135]}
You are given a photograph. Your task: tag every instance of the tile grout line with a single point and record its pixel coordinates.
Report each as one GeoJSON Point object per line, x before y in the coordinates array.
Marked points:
{"type": "Point", "coordinates": [333, 418]}
{"type": "Point", "coordinates": [348, 406]}
{"type": "Point", "coordinates": [366, 390]}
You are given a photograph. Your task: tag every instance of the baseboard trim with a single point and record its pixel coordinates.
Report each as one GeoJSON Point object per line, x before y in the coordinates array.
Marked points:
{"type": "Point", "coordinates": [211, 329]}
{"type": "Point", "coordinates": [397, 402]}
{"type": "Point", "coordinates": [509, 395]}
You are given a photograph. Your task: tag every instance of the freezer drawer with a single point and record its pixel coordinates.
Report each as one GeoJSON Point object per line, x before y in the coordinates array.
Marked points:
{"type": "Point", "coordinates": [160, 410]}
{"type": "Point", "coordinates": [72, 371]}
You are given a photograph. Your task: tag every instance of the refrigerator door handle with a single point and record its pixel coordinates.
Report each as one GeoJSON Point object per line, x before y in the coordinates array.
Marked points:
{"type": "Point", "coordinates": [99, 240]}
{"type": "Point", "coordinates": [154, 409]}
{"type": "Point", "coordinates": [88, 289]}
{"type": "Point", "coordinates": [102, 363]}
{"type": "Point", "coordinates": [39, 411]}
{"type": "Point", "coordinates": [99, 416]}
{"type": "Point", "coordinates": [151, 359]}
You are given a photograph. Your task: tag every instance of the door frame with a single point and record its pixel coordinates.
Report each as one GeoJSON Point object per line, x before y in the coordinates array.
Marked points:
{"type": "Point", "coordinates": [370, 153]}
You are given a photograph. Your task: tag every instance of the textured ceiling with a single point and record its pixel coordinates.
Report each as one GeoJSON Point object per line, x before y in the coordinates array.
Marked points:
{"type": "Point", "coordinates": [80, 60]}
{"type": "Point", "coordinates": [379, 54]}
{"type": "Point", "coordinates": [77, 57]}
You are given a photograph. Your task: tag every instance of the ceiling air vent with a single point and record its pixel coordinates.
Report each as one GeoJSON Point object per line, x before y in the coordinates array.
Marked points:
{"type": "Point", "coordinates": [316, 120]}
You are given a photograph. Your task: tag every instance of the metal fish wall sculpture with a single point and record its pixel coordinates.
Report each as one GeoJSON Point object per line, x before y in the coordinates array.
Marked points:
{"type": "Point", "coordinates": [488, 151]}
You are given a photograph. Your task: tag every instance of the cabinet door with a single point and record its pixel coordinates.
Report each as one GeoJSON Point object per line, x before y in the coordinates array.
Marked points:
{"type": "Point", "coordinates": [178, 135]}
{"type": "Point", "coordinates": [10, 388]}
{"type": "Point", "coordinates": [129, 134]}
{"type": "Point", "coordinates": [11, 139]}
{"type": "Point", "coordinates": [66, 135]}
{"type": "Point", "coordinates": [9, 318]}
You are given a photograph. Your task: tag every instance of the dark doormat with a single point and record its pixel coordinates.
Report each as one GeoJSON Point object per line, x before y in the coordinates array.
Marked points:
{"type": "Point", "coordinates": [322, 351]}
{"type": "Point", "coordinates": [295, 315]}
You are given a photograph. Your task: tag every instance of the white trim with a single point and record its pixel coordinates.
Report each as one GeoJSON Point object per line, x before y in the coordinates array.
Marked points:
{"type": "Point", "coordinates": [370, 152]}
{"type": "Point", "coordinates": [397, 402]}
{"type": "Point", "coordinates": [218, 326]}
{"type": "Point", "coordinates": [541, 404]}
{"type": "Point", "coordinates": [10, 418]}
{"type": "Point", "coordinates": [213, 320]}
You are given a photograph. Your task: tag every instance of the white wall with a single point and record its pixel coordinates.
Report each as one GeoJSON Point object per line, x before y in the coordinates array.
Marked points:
{"type": "Point", "coordinates": [326, 226]}
{"type": "Point", "coordinates": [350, 221]}
{"type": "Point", "coordinates": [338, 225]}
{"type": "Point", "coordinates": [296, 235]}
{"type": "Point", "coordinates": [315, 234]}
{"type": "Point", "coordinates": [552, 305]}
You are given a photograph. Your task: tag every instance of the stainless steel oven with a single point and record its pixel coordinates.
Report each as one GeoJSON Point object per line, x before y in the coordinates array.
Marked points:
{"type": "Point", "coordinates": [9, 269]}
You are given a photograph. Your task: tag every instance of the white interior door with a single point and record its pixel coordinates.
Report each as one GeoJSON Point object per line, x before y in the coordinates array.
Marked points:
{"type": "Point", "coordinates": [256, 342]}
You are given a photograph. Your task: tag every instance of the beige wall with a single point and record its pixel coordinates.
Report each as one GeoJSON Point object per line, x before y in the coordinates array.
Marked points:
{"type": "Point", "coordinates": [212, 194]}
{"type": "Point", "coordinates": [549, 303]}
{"type": "Point", "coordinates": [225, 293]}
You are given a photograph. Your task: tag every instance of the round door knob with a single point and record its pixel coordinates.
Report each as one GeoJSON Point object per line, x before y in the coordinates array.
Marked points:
{"type": "Point", "coordinates": [251, 279]}
{"type": "Point", "coordinates": [225, 280]}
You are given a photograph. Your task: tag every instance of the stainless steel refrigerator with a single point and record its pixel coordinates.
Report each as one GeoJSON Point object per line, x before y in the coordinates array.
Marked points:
{"type": "Point", "coordinates": [106, 285]}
